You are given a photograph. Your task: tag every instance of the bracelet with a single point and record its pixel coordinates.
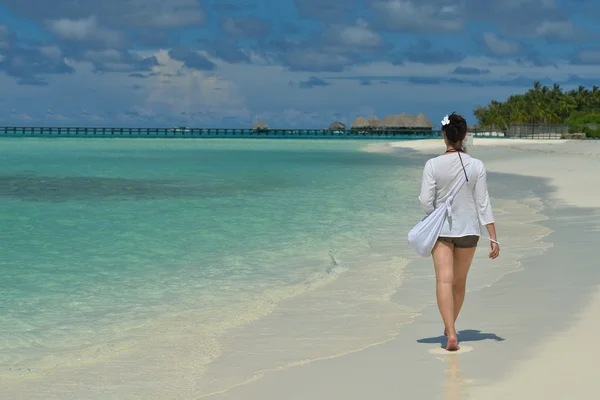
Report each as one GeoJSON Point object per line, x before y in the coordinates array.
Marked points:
{"type": "Point", "coordinates": [494, 241]}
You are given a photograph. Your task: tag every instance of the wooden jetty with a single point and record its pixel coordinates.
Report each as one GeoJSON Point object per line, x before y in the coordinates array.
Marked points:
{"type": "Point", "coordinates": [184, 132]}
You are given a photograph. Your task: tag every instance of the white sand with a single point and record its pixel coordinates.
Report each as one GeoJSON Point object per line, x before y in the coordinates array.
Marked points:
{"type": "Point", "coordinates": [568, 164]}
{"type": "Point", "coordinates": [551, 360]}
{"type": "Point", "coordinates": [540, 358]}
{"type": "Point", "coordinates": [566, 365]}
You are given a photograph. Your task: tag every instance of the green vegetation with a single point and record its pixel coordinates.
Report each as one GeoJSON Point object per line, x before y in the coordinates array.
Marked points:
{"type": "Point", "coordinates": [546, 105]}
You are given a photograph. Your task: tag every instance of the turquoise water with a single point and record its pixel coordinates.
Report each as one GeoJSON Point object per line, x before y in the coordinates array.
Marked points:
{"type": "Point", "coordinates": [102, 239]}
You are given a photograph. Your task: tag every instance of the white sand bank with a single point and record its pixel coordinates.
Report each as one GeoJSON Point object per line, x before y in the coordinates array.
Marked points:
{"type": "Point", "coordinates": [568, 164]}
{"type": "Point", "coordinates": [530, 336]}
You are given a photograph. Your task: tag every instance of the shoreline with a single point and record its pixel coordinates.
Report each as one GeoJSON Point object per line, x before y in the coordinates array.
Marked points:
{"type": "Point", "coordinates": [131, 371]}
{"type": "Point", "coordinates": [468, 370]}
{"type": "Point", "coordinates": [417, 318]}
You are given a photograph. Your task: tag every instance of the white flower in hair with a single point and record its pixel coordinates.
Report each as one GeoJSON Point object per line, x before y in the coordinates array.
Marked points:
{"type": "Point", "coordinates": [445, 121]}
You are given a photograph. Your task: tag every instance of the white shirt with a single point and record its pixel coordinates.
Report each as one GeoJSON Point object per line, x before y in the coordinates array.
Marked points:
{"type": "Point", "coordinates": [471, 207]}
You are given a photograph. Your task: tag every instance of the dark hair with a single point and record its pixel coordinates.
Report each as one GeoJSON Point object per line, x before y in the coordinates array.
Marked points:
{"type": "Point", "coordinates": [456, 131]}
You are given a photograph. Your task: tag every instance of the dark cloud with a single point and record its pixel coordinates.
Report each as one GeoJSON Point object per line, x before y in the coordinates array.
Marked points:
{"type": "Point", "coordinates": [8, 38]}
{"type": "Point", "coordinates": [312, 82]}
{"type": "Point", "coordinates": [246, 27]}
{"type": "Point", "coordinates": [226, 49]}
{"type": "Point", "coordinates": [111, 60]}
{"type": "Point", "coordinates": [588, 56]}
{"type": "Point", "coordinates": [307, 56]}
{"type": "Point", "coordinates": [536, 58]}
{"type": "Point", "coordinates": [192, 59]}
{"type": "Point", "coordinates": [576, 80]}
{"type": "Point", "coordinates": [150, 38]}
{"type": "Point", "coordinates": [332, 49]}
{"type": "Point", "coordinates": [32, 81]}
{"type": "Point", "coordinates": [470, 71]}
{"type": "Point", "coordinates": [328, 10]}
{"type": "Point", "coordinates": [143, 76]}
{"type": "Point", "coordinates": [424, 80]}
{"type": "Point", "coordinates": [220, 5]}
{"type": "Point", "coordinates": [525, 19]}
{"type": "Point", "coordinates": [419, 16]}
{"type": "Point", "coordinates": [424, 53]}
{"type": "Point", "coordinates": [126, 14]}
{"type": "Point", "coordinates": [30, 63]}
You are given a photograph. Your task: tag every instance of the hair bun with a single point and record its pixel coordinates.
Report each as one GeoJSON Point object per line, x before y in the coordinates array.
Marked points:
{"type": "Point", "coordinates": [456, 130]}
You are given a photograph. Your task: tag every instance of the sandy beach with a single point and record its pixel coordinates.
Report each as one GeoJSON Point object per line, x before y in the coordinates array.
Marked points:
{"type": "Point", "coordinates": [528, 336]}
{"type": "Point", "coordinates": [526, 328]}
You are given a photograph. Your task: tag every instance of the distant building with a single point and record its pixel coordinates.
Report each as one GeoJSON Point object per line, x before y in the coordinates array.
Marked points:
{"type": "Point", "coordinates": [374, 122]}
{"type": "Point", "coordinates": [337, 126]}
{"type": "Point", "coordinates": [393, 122]}
{"type": "Point", "coordinates": [260, 127]}
{"type": "Point", "coordinates": [360, 123]}
{"type": "Point", "coordinates": [421, 122]}
{"type": "Point", "coordinates": [405, 122]}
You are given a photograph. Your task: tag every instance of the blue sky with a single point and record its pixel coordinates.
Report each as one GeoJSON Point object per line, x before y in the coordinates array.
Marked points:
{"type": "Point", "coordinates": [290, 63]}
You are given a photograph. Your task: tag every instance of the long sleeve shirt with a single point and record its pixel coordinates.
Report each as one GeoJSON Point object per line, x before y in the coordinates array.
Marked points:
{"type": "Point", "coordinates": [471, 207]}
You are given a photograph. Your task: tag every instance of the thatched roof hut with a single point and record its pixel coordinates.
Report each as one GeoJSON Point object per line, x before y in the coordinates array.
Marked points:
{"type": "Point", "coordinates": [360, 123]}
{"type": "Point", "coordinates": [394, 122]}
{"type": "Point", "coordinates": [260, 126]}
{"type": "Point", "coordinates": [337, 126]}
{"type": "Point", "coordinates": [421, 121]}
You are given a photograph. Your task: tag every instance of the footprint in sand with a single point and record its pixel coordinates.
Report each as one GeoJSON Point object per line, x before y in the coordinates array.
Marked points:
{"type": "Point", "coordinates": [443, 352]}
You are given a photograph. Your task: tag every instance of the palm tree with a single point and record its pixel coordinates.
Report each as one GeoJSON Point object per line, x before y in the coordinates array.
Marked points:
{"type": "Point", "coordinates": [543, 104]}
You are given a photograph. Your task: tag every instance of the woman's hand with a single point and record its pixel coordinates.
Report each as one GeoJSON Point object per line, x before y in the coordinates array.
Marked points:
{"type": "Point", "coordinates": [495, 252]}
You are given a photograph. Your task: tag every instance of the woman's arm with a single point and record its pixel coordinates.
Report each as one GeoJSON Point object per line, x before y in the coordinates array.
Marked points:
{"type": "Point", "coordinates": [484, 210]}
{"type": "Point", "coordinates": [482, 200]}
{"type": "Point", "coordinates": [427, 195]}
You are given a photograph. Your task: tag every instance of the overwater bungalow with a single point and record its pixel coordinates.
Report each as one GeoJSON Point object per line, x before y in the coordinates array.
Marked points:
{"type": "Point", "coordinates": [374, 122]}
{"type": "Point", "coordinates": [337, 127]}
{"type": "Point", "coordinates": [360, 123]}
{"type": "Point", "coordinates": [260, 126]}
{"type": "Point", "coordinates": [363, 124]}
{"type": "Point", "coordinates": [399, 122]}
{"type": "Point", "coordinates": [421, 122]}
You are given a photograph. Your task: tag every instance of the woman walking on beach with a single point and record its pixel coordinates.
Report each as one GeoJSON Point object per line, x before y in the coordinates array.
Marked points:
{"type": "Point", "coordinates": [455, 247]}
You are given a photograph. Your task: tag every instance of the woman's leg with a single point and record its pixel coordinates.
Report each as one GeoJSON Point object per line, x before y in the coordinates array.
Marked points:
{"type": "Point", "coordinates": [463, 257]}
{"type": "Point", "coordinates": [443, 261]}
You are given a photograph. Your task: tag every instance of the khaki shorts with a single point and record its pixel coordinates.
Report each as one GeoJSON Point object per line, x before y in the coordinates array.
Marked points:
{"type": "Point", "coordinates": [464, 242]}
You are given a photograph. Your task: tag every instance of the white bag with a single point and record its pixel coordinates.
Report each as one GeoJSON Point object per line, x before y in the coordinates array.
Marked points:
{"type": "Point", "coordinates": [423, 236]}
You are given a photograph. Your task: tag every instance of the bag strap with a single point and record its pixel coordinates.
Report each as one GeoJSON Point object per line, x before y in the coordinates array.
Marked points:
{"type": "Point", "coordinates": [459, 184]}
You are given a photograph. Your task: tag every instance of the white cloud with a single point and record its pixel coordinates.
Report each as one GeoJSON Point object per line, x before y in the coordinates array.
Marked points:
{"type": "Point", "coordinates": [177, 89]}
{"type": "Point", "coordinates": [85, 30]}
{"type": "Point", "coordinates": [564, 30]}
{"type": "Point", "coordinates": [500, 47]}
{"type": "Point", "coordinates": [359, 35]}
{"type": "Point", "coordinates": [114, 13]}
{"type": "Point", "coordinates": [414, 16]}
{"type": "Point", "coordinates": [589, 57]}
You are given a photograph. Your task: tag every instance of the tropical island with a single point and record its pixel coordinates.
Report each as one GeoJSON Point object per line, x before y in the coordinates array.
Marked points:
{"type": "Point", "coordinates": [578, 109]}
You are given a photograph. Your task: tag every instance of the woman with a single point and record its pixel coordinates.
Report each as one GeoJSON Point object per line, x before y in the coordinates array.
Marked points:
{"type": "Point", "coordinates": [454, 250]}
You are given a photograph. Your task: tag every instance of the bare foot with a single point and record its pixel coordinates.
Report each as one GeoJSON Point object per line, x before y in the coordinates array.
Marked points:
{"type": "Point", "coordinates": [452, 344]}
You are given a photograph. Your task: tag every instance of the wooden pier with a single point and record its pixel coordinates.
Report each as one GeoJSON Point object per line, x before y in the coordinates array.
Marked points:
{"type": "Point", "coordinates": [99, 132]}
